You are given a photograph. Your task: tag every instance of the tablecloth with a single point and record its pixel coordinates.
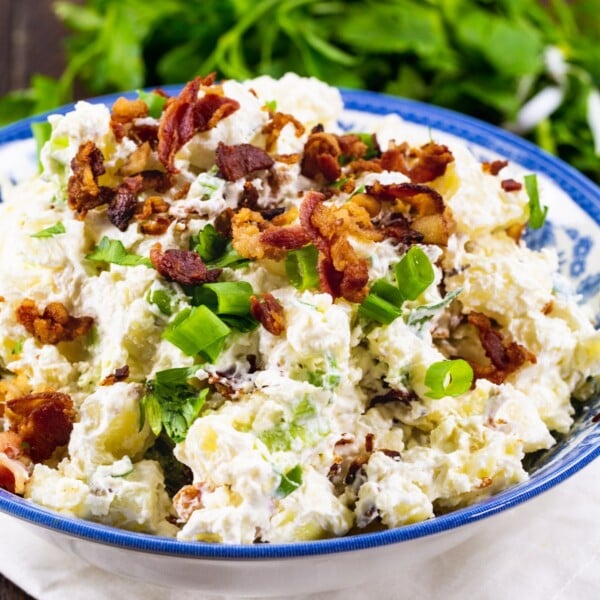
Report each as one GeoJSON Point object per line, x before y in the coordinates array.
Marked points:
{"type": "Point", "coordinates": [547, 548]}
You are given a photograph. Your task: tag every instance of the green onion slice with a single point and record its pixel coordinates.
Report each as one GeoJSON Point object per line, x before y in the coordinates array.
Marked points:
{"type": "Point", "coordinates": [162, 299]}
{"type": "Point", "coordinates": [537, 213]}
{"type": "Point", "coordinates": [225, 297]}
{"type": "Point", "coordinates": [51, 231]}
{"type": "Point", "coordinates": [383, 303]}
{"type": "Point", "coordinates": [198, 330]}
{"type": "Point", "coordinates": [414, 273]}
{"type": "Point", "coordinates": [154, 101]}
{"type": "Point", "coordinates": [113, 251]}
{"type": "Point", "coordinates": [301, 268]}
{"type": "Point", "coordinates": [290, 482]}
{"type": "Point", "coordinates": [448, 378]}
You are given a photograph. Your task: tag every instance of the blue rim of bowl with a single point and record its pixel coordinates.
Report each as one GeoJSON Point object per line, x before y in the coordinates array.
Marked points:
{"type": "Point", "coordinates": [583, 191]}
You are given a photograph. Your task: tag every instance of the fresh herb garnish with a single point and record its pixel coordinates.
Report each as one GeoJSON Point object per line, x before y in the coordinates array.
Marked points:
{"type": "Point", "coordinates": [113, 251]}
{"type": "Point", "coordinates": [448, 378]}
{"type": "Point", "coordinates": [172, 403]}
{"type": "Point", "coordinates": [51, 231]}
{"type": "Point", "coordinates": [414, 273]}
{"type": "Point", "coordinates": [162, 298]}
{"type": "Point", "coordinates": [537, 213]}
{"type": "Point", "coordinates": [216, 251]}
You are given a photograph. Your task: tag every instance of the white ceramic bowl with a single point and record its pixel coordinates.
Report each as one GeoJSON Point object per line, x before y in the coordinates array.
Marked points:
{"type": "Point", "coordinates": [279, 569]}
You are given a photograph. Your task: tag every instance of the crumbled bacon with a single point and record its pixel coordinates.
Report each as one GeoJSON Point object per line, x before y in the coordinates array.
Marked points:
{"type": "Point", "coordinates": [123, 205]}
{"type": "Point", "coordinates": [505, 357]}
{"type": "Point", "coordinates": [187, 115]}
{"type": "Point", "coordinates": [394, 395]}
{"type": "Point", "coordinates": [13, 463]}
{"type": "Point", "coordinates": [182, 266]}
{"type": "Point", "coordinates": [419, 164]}
{"type": "Point", "coordinates": [153, 216]}
{"type": "Point", "coordinates": [43, 421]}
{"type": "Point", "coordinates": [268, 312]}
{"type": "Point", "coordinates": [287, 238]}
{"type": "Point", "coordinates": [510, 185]}
{"type": "Point", "coordinates": [273, 128]}
{"type": "Point", "coordinates": [123, 113]}
{"type": "Point", "coordinates": [342, 273]}
{"type": "Point", "coordinates": [54, 324]}
{"type": "Point", "coordinates": [321, 157]}
{"type": "Point", "coordinates": [494, 167]}
{"type": "Point", "coordinates": [235, 162]}
{"type": "Point", "coordinates": [83, 191]}
{"type": "Point", "coordinates": [248, 197]}
{"type": "Point", "coordinates": [120, 374]}
{"type": "Point", "coordinates": [422, 198]}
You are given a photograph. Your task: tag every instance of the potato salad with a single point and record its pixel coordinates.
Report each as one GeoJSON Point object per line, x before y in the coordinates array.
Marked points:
{"type": "Point", "coordinates": [226, 318]}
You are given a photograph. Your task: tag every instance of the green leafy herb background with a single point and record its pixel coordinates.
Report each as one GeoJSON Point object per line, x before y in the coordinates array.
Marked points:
{"type": "Point", "coordinates": [485, 58]}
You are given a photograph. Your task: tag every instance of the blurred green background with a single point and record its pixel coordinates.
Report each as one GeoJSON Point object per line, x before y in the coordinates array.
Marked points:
{"type": "Point", "coordinates": [530, 66]}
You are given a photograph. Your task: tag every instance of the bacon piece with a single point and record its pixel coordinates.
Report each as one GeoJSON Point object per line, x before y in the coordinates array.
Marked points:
{"type": "Point", "coordinates": [123, 113]}
{"type": "Point", "coordinates": [83, 191]}
{"type": "Point", "coordinates": [342, 272]}
{"type": "Point", "coordinates": [187, 115]}
{"type": "Point", "coordinates": [510, 185]}
{"type": "Point", "coordinates": [120, 374]}
{"type": "Point", "coordinates": [273, 128]}
{"type": "Point", "coordinates": [54, 324]}
{"type": "Point", "coordinates": [494, 167]}
{"type": "Point", "coordinates": [287, 238]}
{"type": "Point", "coordinates": [124, 203]}
{"type": "Point", "coordinates": [505, 357]}
{"type": "Point", "coordinates": [422, 198]}
{"type": "Point", "coordinates": [43, 421]}
{"type": "Point", "coordinates": [321, 157]}
{"type": "Point", "coordinates": [182, 266]}
{"type": "Point", "coordinates": [237, 161]}
{"type": "Point", "coordinates": [268, 312]}
{"type": "Point", "coordinates": [13, 463]}
{"type": "Point", "coordinates": [153, 215]}
{"type": "Point", "coordinates": [420, 164]}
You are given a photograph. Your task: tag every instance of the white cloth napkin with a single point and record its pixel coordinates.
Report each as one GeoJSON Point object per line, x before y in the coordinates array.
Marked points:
{"type": "Point", "coordinates": [547, 548]}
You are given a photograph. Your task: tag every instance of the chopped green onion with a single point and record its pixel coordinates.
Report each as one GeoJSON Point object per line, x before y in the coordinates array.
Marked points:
{"type": "Point", "coordinates": [537, 214]}
{"type": "Point", "coordinates": [301, 268]}
{"type": "Point", "coordinates": [240, 323]}
{"type": "Point", "coordinates": [271, 105]}
{"type": "Point", "coordinates": [225, 297]}
{"type": "Point", "coordinates": [414, 273]}
{"type": "Point", "coordinates": [290, 482]}
{"type": "Point", "coordinates": [55, 229]}
{"type": "Point", "coordinates": [383, 304]}
{"type": "Point", "coordinates": [378, 309]}
{"type": "Point", "coordinates": [162, 299]}
{"type": "Point", "coordinates": [230, 258]}
{"type": "Point", "coordinates": [448, 378]}
{"type": "Point", "coordinates": [198, 330]}
{"type": "Point", "coordinates": [155, 102]}
{"type": "Point", "coordinates": [42, 130]}
{"type": "Point", "coordinates": [172, 403]}
{"type": "Point", "coordinates": [60, 142]}
{"type": "Point", "coordinates": [113, 251]}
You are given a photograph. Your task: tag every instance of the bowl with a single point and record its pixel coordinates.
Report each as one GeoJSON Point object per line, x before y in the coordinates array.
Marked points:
{"type": "Point", "coordinates": [275, 569]}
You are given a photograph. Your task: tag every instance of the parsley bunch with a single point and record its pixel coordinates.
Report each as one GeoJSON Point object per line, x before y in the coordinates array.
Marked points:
{"type": "Point", "coordinates": [488, 59]}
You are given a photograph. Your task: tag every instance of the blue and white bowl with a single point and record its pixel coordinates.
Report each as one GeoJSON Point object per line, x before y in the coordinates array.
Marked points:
{"type": "Point", "coordinates": [277, 569]}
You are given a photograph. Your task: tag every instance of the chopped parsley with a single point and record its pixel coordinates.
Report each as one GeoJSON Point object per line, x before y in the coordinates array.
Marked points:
{"type": "Point", "coordinates": [113, 251]}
